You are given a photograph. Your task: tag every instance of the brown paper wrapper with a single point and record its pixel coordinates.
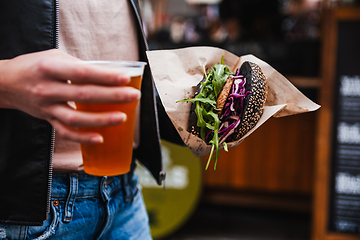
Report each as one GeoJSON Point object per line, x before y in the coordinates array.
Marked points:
{"type": "Point", "coordinates": [177, 73]}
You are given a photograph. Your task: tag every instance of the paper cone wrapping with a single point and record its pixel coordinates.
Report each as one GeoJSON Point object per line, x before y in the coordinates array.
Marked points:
{"type": "Point", "coordinates": [178, 72]}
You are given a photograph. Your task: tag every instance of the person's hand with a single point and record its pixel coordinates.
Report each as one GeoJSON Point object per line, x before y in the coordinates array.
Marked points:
{"type": "Point", "coordinates": [37, 84]}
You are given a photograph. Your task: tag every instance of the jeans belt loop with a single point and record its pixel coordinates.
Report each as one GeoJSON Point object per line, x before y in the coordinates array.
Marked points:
{"type": "Point", "coordinates": [70, 202]}
{"type": "Point", "coordinates": [128, 194]}
{"type": "Point", "coordinates": [105, 192]}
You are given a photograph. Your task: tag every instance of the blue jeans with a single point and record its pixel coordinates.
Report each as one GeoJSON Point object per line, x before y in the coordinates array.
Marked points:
{"type": "Point", "coordinates": [89, 207]}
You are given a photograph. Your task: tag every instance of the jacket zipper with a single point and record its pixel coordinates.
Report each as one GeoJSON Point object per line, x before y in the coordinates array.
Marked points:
{"type": "Point", "coordinates": [52, 141]}
{"type": "Point", "coordinates": [57, 24]}
{"type": "Point", "coordinates": [50, 171]}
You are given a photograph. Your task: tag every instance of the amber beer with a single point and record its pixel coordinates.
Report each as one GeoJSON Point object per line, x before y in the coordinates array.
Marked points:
{"type": "Point", "coordinates": [114, 155]}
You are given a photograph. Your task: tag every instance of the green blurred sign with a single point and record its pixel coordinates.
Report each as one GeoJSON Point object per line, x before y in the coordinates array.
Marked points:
{"type": "Point", "coordinates": [169, 209]}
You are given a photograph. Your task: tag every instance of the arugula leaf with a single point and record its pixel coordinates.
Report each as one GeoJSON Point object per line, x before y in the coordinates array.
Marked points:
{"type": "Point", "coordinates": [215, 139]}
{"type": "Point", "coordinates": [207, 120]}
{"type": "Point", "coordinates": [219, 78]}
{"type": "Point", "coordinates": [203, 100]}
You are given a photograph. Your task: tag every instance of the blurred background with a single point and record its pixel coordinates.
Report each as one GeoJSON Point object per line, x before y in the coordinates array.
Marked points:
{"type": "Point", "coordinates": [265, 187]}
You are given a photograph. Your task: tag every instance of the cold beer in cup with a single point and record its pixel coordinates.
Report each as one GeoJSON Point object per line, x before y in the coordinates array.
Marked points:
{"type": "Point", "coordinates": [114, 155]}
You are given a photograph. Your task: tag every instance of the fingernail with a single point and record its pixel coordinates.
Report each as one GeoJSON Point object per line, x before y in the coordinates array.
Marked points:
{"type": "Point", "coordinates": [124, 78]}
{"type": "Point", "coordinates": [97, 139]}
{"type": "Point", "coordinates": [135, 94]}
{"type": "Point", "coordinates": [119, 117]}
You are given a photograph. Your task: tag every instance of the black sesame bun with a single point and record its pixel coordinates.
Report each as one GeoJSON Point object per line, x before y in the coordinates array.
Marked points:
{"type": "Point", "coordinates": [256, 86]}
{"type": "Point", "coordinates": [254, 102]}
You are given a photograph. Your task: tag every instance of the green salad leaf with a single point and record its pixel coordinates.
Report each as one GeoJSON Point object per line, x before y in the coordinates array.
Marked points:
{"type": "Point", "coordinates": [207, 119]}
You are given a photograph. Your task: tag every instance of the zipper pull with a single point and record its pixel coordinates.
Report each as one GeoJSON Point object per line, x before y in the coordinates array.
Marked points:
{"type": "Point", "coordinates": [162, 176]}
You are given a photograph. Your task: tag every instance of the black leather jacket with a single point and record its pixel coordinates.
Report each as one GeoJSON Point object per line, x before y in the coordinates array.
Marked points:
{"type": "Point", "coordinates": [26, 143]}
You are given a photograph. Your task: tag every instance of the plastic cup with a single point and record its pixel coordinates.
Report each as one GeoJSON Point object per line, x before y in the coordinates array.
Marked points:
{"type": "Point", "coordinates": [114, 155]}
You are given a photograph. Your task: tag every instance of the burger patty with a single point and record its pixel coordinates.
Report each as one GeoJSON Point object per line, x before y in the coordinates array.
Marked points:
{"type": "Point", "coordinates": [220, 102]}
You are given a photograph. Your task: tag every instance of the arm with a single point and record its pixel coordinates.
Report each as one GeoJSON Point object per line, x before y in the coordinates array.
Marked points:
{"type": "Point", "coordinates": [37, 84]}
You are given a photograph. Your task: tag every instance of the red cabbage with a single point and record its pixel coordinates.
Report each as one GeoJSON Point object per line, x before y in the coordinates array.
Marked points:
{"type": "Point", "coordinates": [233, 107]}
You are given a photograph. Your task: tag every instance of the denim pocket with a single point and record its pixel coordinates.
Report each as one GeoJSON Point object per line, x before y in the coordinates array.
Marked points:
{"type": "Point", "coordinates": [49, 227]}
{"type": "Point", "coordinates": [19, 232]}
{"type": "Point", "coordinates": [12, 232]}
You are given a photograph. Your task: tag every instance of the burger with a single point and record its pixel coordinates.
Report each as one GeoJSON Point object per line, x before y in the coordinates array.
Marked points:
{"type": "Point", "coordinates": [227, 104]}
